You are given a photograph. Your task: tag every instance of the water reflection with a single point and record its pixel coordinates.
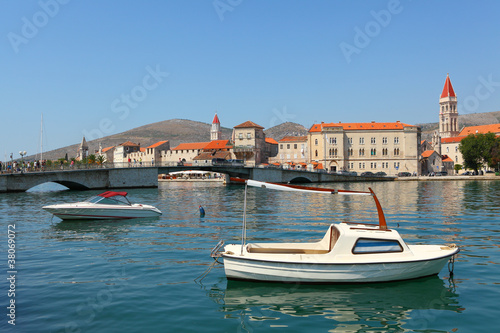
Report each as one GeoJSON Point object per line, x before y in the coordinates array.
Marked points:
{"type": "Point", "coordinates": [356, 308]}
{"type": "Point", "coordinates": [106, 230]}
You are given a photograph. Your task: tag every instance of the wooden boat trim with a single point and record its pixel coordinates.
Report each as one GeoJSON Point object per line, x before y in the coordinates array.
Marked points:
{"type": "Point", "coordinates": [302, 263]}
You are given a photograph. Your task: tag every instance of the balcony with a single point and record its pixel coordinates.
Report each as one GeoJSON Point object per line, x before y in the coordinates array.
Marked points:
{"type": "Point", "coordinates": [244, 149]}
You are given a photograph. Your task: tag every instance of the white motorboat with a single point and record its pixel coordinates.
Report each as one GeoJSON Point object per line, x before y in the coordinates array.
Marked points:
{"type": "Point", "coordinates": [347, 253]}
{"type": "Point", "coordinates": [107, 205]}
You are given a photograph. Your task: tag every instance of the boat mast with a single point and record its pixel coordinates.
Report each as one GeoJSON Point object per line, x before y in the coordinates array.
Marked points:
{"type": "Point", "coordinates": [244, 230]}
{"type": "Point", "coordinates": [41, 139]}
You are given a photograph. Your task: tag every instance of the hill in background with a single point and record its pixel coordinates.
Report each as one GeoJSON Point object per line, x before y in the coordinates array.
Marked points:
{"type": "Point", "coordinates": [278, 132]}
{"type": "Point", "coordinates": [183, 130]}
{"type": "Point", "coordinates": [174, 130]}
{"type": "Point", "coordinates": [472, 119]}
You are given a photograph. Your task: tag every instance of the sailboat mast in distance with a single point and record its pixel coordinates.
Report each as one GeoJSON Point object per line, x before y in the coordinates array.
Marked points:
{"type": "Point", "coordinates": [41, 138]}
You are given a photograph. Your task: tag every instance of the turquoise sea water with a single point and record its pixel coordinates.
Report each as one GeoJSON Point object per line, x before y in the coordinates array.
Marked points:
{"type": "Point", "coordinates": [138, 275]}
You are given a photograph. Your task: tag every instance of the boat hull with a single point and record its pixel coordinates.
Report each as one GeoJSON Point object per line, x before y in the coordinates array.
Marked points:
{"type": "Point", "coordinates": [90, 213]}
{"type": "Point", "coordinates": [241, 268]}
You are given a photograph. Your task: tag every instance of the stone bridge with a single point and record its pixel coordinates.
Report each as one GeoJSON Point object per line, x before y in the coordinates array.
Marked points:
{"type": "Point", "coordinates": [112, 178]}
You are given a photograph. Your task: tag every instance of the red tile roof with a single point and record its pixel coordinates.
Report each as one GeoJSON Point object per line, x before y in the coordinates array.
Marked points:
{"type": "Point", "coordinates": [446, 158]}
{"type": "Point", "coordinates": [248, 124]}
{"type": "Point", "coordinates": [107, 148]}
{"type": "Point", "coordinates": [318, 166]}
{"type": "Point", "coordinates": [218, 144]}
{"type": "Point", "coordinates": [271, 140]}
{"type": "Point", "coordinates": [159, 143]}
{"type": "Point", "coordinates": [191, 146]}
{"type": "Point", "coordinates": [129, 143]}
{"type": "Point", "coordinates": [294, 139]}
{"type": "Point", "coordinates": [493, 128]}
{"type": "Point", "coordinates": [453, 139]}
{"type": "Point", "coordinates": [360, 126]}
{"type": "Point", "coordinates": [427, 153]}
{"type": "Point", "coordinates": [142, 150]}
{"type": "Point", "coordinates": [448, 88]}
{"type": "Point", "coordinates": [216, 120]}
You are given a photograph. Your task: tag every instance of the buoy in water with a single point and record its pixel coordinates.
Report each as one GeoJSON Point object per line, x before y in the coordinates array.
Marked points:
{"type": "Point", "coordinates": [202, 212]}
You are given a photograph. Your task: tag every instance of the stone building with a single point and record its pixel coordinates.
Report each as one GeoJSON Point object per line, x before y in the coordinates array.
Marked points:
{"type": "Point", "coordinates": [83, 150]}
{"type": "Point", "coordinates": [215, 130]}
{"type": "Point", "coordinates": [292, 149]}
{"type": "Point", "coordinates": [448, 114]}
{"type": "Point", "coordinates": [249, 143]}
{"type": "Point", "coordinates": [387, 147]}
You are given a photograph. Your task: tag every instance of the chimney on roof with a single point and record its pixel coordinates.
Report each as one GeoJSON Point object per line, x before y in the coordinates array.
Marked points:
{"type": "Point", "coordinates": [398, 121]}
{"type": "Point", "coordinates": [373, 121]}
{"type": "Point", "coordinates": [322, 122]}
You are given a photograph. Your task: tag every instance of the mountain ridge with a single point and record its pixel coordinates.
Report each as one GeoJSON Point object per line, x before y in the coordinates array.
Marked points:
{"type": "Point", "coordinates": [184, 130]}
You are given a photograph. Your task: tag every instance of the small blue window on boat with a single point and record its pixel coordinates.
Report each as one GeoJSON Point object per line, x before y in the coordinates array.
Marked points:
{"type": "Point", "coordinates": [367, 245]}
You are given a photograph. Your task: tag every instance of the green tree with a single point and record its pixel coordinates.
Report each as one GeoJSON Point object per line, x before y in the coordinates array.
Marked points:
{"type": "Point", "coordinates": [495, 155]}
{"type": "Point", "coordinates": [476, 150]}
{"type": "Point", "coordinates": [66, 157]}
{"type": "Point", "coordinates": [457, 167]}
{"type": "Point", "coordinates": [101, 159]}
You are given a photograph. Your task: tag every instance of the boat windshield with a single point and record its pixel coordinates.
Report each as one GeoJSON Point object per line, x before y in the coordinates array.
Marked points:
{"type": "Point", "coordinates": [116, 200]}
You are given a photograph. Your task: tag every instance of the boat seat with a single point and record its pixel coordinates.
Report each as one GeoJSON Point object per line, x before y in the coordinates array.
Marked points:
{"type": "Point", "coordinates": [277, 250]}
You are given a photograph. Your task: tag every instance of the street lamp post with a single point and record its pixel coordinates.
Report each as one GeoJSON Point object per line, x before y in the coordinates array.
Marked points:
{"type": "Point", "coordinates": [22, 153]}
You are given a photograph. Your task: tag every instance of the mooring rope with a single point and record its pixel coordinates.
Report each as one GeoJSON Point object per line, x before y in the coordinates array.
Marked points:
{"type": "Point", "coordinates": [212, 265]}
{"type": "Point", "coordinates": [451, 265]}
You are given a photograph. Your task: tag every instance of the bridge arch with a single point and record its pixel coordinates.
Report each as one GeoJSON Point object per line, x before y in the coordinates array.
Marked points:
{"type": "Point", "coordinates": [300, 179]}
{"type": "Point", "coordinates": [72, 185]}
{"type": "Point", "coordinates": [68, 185]}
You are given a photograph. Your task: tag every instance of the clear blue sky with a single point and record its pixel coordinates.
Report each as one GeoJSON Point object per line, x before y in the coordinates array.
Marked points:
{"type": "Point", "coordinates": [103, 67]}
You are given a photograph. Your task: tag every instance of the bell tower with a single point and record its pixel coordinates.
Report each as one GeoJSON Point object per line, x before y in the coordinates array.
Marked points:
{"type": "Point", "coordinates": [448, 115]}
{"type": "Point", "coordinates": [215, 131]}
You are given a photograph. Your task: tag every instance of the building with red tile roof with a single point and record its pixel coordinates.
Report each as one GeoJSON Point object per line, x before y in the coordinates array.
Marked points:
{"type": "Point", "coordinates": [292, 149]}
{"type": "Point", "coordinates": [250, 143]}
{"type": "Point", "coordinates": [482, 129]}
{"type": "Point", "coordinates": [218, 145]}
{"type": "Point", "coordinates": [448, 114]}
{"type": "Point", "coordinates": [191, 146]}
{"type": "Point", "coordinates": [215, 130]}
{"type": "Point", "coordinates": [122, 151]}
{"type": "Point", "coordinates": [390, 147]}
{"type": "Point", "coordinates": [432, 162]}
{"type": "Point", "coordinates": [359, 126]}
{"type": "Point", "coordinates": [271, 141]}
{"type": "Point", "coordinates": [248, 124]}
{"type": "Point", "coordinates": [450, 146]}
{"type": "Point", "coordinates": [158, 144]}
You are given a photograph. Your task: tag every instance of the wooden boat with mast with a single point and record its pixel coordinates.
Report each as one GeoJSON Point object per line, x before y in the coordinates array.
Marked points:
{"type": "Point", "coordinates": [347, 253]}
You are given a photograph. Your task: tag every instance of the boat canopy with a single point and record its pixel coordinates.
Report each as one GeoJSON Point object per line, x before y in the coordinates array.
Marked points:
{"type": "Point", "coordinates": [288, 187]}
{"type": "Point", "coordinates": [109, 194]}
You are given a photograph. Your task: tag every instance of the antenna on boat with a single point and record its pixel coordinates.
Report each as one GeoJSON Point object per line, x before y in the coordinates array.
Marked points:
{"type": "Point", "coordinates": [244, 230]}
{"type": "Point", "coordinates": [41, 138]}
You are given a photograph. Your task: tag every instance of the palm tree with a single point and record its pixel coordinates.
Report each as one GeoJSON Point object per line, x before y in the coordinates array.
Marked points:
{"type": "Point", "coordinates": [101, 159]}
